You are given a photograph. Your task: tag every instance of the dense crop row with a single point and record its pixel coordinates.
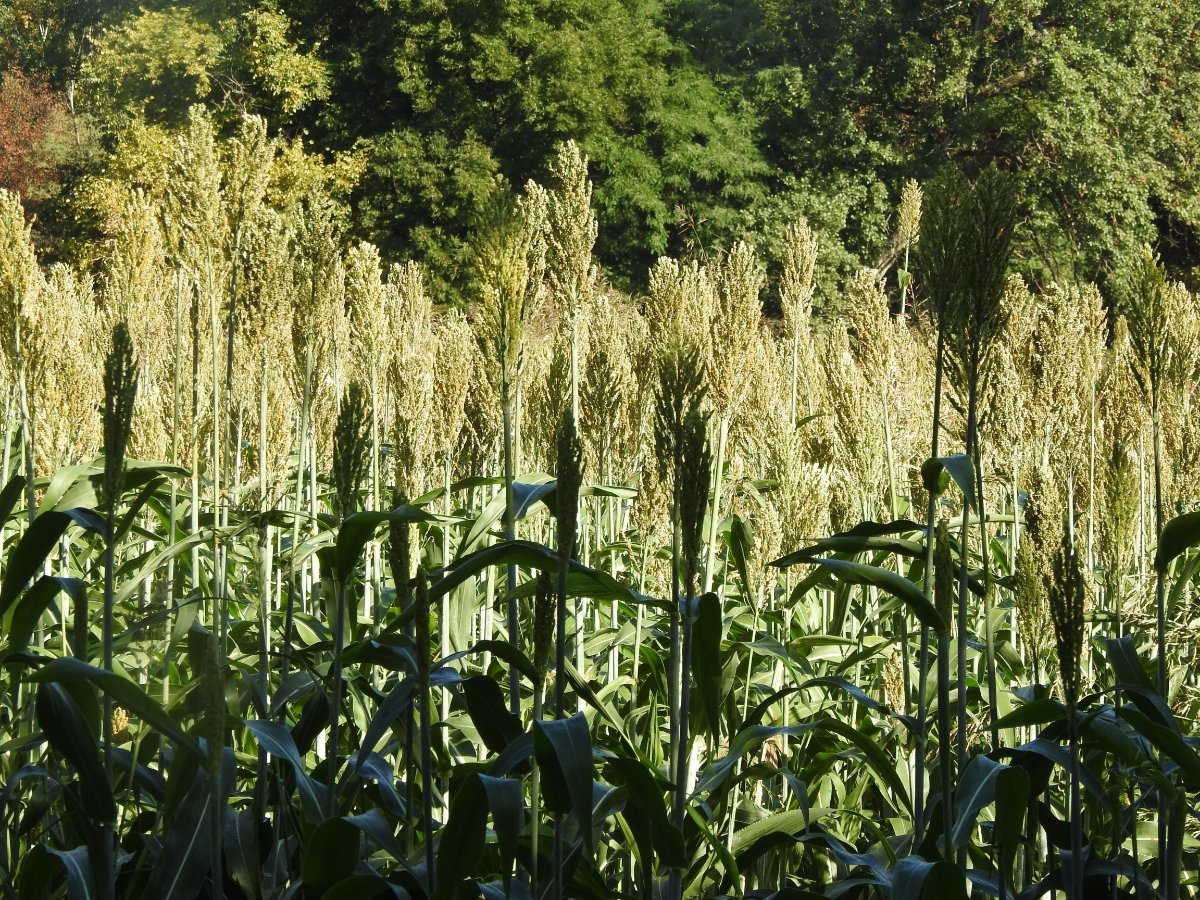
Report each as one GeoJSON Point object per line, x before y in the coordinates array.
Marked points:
{"type": "Point", "coordinates": [580, 594]}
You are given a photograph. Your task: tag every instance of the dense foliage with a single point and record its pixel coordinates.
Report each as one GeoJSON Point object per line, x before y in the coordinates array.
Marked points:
{"type": "Point", "coordinates": [703, 119]}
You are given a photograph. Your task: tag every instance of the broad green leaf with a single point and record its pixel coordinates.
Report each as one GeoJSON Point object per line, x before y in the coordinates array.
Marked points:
{"type": "Point", "coordinates": [10, 497]}
{"type": "Point", "coordinates": [897, 585]}
{"type": "Point", "coordinates": [277, 741]}
{"type": "Point", "coordinates": [36, 871]}
{"type": "Point", "coordinates": [707, 662]}
{"type": "Point", "coordinates": [373, 824]}
{"type": "Point", "coordinates": [65, 728]}
{"type": "Point", "coordinates": [1178, 536]}
{"type": "Point", "coordinates": [748, 842]}
{"type": "Point", "coordinates": [646, 811]}
{"type": "Point", "coordinates": [564, 752]}
{"type": "Point", "coordinates": [506, 798]}
{"type": "Point", "coordinates": [187, 850]}
{"type": "Point", "coordinates": [533, 556]}
{"type": "Point", "coordinates": [331, 853]}
{"type": "Point", "coordinates": [919, 879]}
{"type": "Point", "coordinates": [1168, 741]}
{"type": "Point", "coordinates": [526, 492]}
{"type": "Point", "coordinates": [489, 712]}
{"type": "Point", "coordinates": [883, 766]}
{"type": "Point", "coordinates": [959, 467]}
{"type": "Point", "coordinates": [359, 529]}
{"type": "Point", "coordinates": [361, 887]}
{"type": "Point", "coordinates": [978, 787]}
{"type": "Point", "coordinates": [25, 614]}
{"type": "Point", "coordinates": [27, 558]}
{"type": "Point", "coordinates": [463, 838]}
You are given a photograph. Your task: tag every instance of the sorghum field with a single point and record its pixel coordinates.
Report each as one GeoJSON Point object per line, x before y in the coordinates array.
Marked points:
{"type": "Point", "coordinates": [315, 588]}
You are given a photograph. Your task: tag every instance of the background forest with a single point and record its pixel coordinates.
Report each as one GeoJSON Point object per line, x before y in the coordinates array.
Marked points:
{"type": "Point", "coordinates": [704, 120]}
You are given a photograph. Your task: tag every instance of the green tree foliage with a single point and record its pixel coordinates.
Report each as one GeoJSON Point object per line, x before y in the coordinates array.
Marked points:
{"type": "Point", "coordinates": [1089, 102]}
{"type": "Point", "coordinates": [703, 120]}
{"type": "Point", "coordinates": [446, 96]}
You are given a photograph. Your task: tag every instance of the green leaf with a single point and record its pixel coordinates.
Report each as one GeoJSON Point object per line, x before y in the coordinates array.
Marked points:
{"type": "Point", "coordinates": [65, 728]}
{"type": "Point", "coordinates": [277, 741]}
{"type": "Point", "coordinates": [489, 712]}
{"type": "Point", "coordinates": [124, 692]}
{"type": "Point", "coordinates": [1168, 741]}
{"type": "Point", "coordinates": [330, 854]}
{"type": "Point", "coordinates": [38, 866]}
{"type": "Point", "coordinates": [187, 848]}
{"type": "Point", "coordinates": [884, 766]}
{"type": "Point", "coordinates": [373, 824]}
{"type": "Point", "coordinates": [752, 840]}
{"type": "Point", "coordinates": [1012, 804]}
{"type": "Point", "coordinates": [707, 662]}
{"type": "Point", "coordinates": [241, 849]}
{"type": "Point", "coordinates": [1178, 536]}
{"type": "Point", "coordinates": [506, 797]}
{"type": "Point", "coordinates": [564, 752]}
{"type": "Point", "coordinates": [713, 776]}
{"type": "Point", "coordinates": [462, 841]}
{"type": "Point", "coordinates": [1035, 712]}
{"type": "Point", "coordinates": [861, 696]}
{"type": "Point", "coordinates": [10, 497]}
{"type": "Point", "coordinates": [959, 467]}
{"type": "Point", "coordinates": [361, 887]}
{"type": "Point", "coordinates": [919, 879]}
{"type": "Point", "coordinates": [26, 613]}
{"type": "Point", "coordinates": [646, 812]}
{"type": "Point", "coordinates": [525, 494]}
{"type": "Point", "coordinates": [977, 788]}
{"type": "Point", "coordinates": [534, 556]}
{"type": "Point", "coordinates": [28, 556]}
{"type": "Point", "coordinates": [740, 539]}
{"type": "Point", "coordinates": [897, 585]}
{"type": "Point", "coordinates": [358, 529]}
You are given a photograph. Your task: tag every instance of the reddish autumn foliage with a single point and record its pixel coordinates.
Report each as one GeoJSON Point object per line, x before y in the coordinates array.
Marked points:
{"type": "Point", "coordinates": [28, 109]}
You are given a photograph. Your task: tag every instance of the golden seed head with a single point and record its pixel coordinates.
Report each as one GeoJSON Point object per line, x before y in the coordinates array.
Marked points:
{"type": "Point", "coordinates": [908, 217]}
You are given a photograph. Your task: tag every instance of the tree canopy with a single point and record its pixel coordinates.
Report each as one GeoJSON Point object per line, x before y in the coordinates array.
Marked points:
{"type": "Point", "coordinates": [702, 119]}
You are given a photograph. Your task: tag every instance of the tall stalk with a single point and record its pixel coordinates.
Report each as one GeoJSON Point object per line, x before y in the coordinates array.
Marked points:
{"type": "Point", "coordinates": [928, 587]}
{"type": "Point", "coordinates": [570, 478]}
{"type": "Point", "coordinates": [120, 391]}
{"type": "Point", "coordinates": [351, 447]}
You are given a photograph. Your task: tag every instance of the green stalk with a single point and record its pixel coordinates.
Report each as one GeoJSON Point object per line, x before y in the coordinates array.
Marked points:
{"type": "Point", "coordinates": [510, 534]}
{"type": "Point", "coordinates": [715, 521]}
{"type": "Point", "coordinates": [424, 650]}
{"type": "Point", "coordinates": [289, 619]}
{"type": "Point", "coordinates": [923, 661]}
{"type": "Point", "coordinates": [964, 594]}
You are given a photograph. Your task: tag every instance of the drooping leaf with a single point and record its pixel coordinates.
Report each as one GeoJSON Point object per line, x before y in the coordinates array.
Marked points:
{"type": "Point", "coordinates": [506, 798]}
{"type": "Point", "coordinates": [959, 467]}
{"type": "Point", "coordinates": [564, 751]}
{"type": "Point", "coordinates": [707, 662]}
{"type": "Point", "coordinates": [124, 692]}
{"type": "Point", "coordinates": [330, 854]}
{"type": "Point", "coordinates": [919, 879]}
{"type": "Point", "coordinates": [277, 741]}
{"type": "Point", "coordinates": [187, 851]}
{"type": "Point", "coordinates": [1178, 536]}
{"type": "Point", "coordinates": [886, 580]}
{"type": "Point", "coordinates": [65, 728]}
{"type": "Point", "coordinates": [24, 615]}
{"type": "Point", "coordinates": [28, 556]}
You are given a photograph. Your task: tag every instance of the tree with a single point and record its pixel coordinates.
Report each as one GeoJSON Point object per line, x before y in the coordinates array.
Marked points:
{"type": "Point", "coordinates": [447, 95]}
